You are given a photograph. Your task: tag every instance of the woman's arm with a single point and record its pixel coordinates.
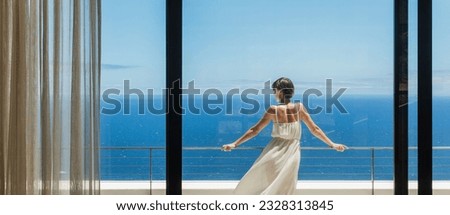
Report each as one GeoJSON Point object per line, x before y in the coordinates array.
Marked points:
{"type": "Point", "coordinates": [316, 131]}
{"type": "Point", "coordinates": [253, 131]}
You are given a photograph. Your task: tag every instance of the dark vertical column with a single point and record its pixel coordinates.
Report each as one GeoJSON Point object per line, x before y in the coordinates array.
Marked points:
{"type": "Point", "coordinates": [401, 97]}
{"type": "Point", "coordinates": [424, 96]}
{"type": "Point", "coordinates": [173, 97]}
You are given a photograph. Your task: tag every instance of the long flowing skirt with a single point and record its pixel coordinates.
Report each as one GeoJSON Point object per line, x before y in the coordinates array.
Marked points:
{"type": "Point", "coordinates": [275, 171]}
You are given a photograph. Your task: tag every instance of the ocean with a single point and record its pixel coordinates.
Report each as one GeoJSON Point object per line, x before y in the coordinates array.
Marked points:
{"type": "Point", "coordinates": [132, 144]}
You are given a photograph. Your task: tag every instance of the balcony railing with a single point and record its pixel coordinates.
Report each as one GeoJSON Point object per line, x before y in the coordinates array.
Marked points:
{"type": "Point", "coordinates": [212, 164]}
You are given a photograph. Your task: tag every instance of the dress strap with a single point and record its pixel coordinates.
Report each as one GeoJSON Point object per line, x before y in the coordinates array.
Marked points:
{"type": "Point", "coordinates": [276, 115]}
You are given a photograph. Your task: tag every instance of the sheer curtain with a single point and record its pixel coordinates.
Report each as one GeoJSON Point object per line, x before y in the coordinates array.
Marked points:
{"type": "Point", "coordinates": [49, 90]}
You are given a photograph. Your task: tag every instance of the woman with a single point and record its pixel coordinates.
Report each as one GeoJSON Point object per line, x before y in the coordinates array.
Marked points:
{"type": "Point", "coordinates": [275, 171]}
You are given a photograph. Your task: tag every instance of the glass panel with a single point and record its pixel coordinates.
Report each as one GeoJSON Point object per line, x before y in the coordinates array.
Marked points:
{"type": "Point", "coordinates": [441, 96]}
{"type": "Point", "coordinates": [133, 70]}
{"type": "Point", "coordinates": [412, 96]}
{"type": "Point", "coordinates": [338, 54]}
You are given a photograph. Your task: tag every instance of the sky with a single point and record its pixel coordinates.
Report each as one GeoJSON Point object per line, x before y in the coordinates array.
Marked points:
{"type": "Point", "coordinates": [243, 43]}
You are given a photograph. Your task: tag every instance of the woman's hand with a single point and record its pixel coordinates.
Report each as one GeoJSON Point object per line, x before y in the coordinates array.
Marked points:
{"type": "Point", "coordinates": [228, 147]}
{"type": "Point", "coordinates": [339, 147]}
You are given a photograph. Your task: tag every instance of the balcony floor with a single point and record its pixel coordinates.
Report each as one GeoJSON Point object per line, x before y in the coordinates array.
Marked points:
{"type": "Point", "coordinates": [303, 187]}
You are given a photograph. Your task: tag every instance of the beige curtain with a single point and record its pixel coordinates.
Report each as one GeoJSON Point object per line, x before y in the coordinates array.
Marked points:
{"type": "Point", "coordinates": [49, 110]}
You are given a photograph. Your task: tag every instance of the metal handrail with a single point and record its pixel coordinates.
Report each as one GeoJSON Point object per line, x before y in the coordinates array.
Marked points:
{"type": "Point", "coordinates": [262, 147]}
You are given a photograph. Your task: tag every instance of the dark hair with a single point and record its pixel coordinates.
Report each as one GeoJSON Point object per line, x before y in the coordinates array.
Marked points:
{"type": "Point", "coordinates": [285, 85]}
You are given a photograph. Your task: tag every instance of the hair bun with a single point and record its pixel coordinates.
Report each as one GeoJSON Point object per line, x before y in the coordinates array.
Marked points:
{"type": "Point", "coordinates": [285, 85]}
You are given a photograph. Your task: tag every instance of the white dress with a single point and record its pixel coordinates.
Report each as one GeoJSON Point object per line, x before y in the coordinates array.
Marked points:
{"type": "Point", "coordinates": [275, 171]}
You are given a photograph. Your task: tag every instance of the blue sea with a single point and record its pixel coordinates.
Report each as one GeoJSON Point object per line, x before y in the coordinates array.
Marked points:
{"type": "Point", "coordinates": [133, 143]}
